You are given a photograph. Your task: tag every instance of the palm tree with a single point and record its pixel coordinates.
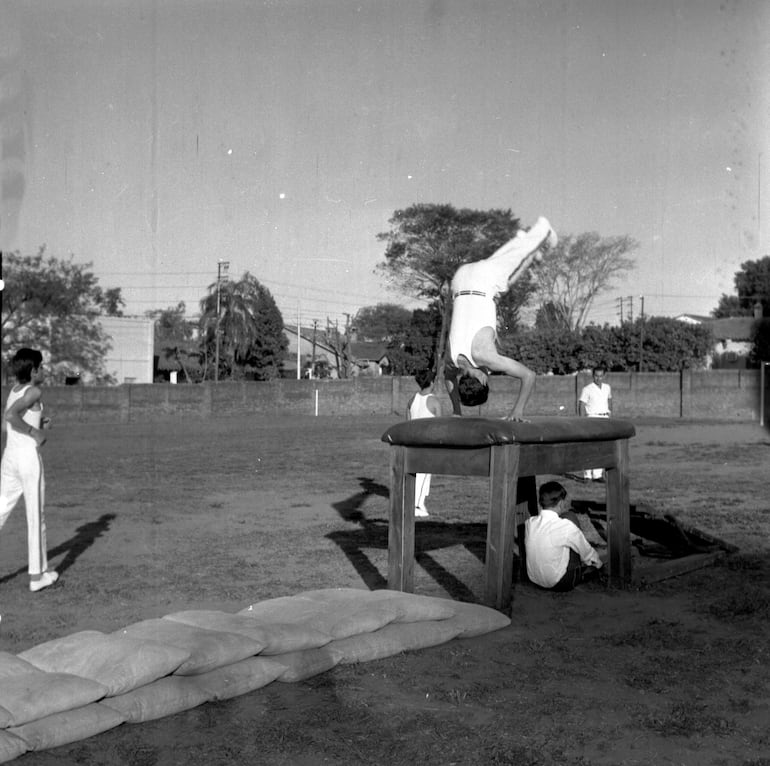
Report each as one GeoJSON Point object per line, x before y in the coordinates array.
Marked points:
{"type": "Point", "coordinates": [249, 324]}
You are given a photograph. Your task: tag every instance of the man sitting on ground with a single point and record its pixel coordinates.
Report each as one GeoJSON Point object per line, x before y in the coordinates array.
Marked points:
{"type": "Point", "coordinates": [557, 553]}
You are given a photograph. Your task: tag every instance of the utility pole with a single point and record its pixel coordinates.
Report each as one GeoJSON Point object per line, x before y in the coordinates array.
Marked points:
{"type": "Point", "coordinates": [222, 269]}
{"type": "Point", "coordinates": [312, 362]}
{"type": "Point", "coordinates": [620, 301]}
{"type": "Point", "coordinates": [630, 300]}
{"type": "Point", "coordinates": [641, 333]}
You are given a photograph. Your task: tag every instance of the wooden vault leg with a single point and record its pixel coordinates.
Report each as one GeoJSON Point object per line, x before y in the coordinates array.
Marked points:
{"type": "Point", "coordinates": [401, 526]}
{"type": "Point", "coordinates": [619, 518]}
{"type": "Point", "coordinates": [501, 524]}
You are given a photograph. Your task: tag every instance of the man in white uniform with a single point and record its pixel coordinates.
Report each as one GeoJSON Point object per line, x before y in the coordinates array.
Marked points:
{"type": "Point", "coordinates": [472, 346]}
{"type": "Point", "coordinates": [424, 404]}
{"type": "Point", "coordinates": [21, 470]}
{"type": "Point", "coordinates": [596, 402]}
{"type": "Point", "coordinates": [557, 552]}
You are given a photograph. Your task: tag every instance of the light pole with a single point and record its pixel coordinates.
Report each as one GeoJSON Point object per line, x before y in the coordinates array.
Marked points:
{"type": "Point", "coordinates": [222, 269]}
{"type": "Point", "coordinates": [641, 333]}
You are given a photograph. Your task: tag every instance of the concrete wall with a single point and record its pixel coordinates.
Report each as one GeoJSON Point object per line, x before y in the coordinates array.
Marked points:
{"type": "Point", "coordinates": [714, 394]}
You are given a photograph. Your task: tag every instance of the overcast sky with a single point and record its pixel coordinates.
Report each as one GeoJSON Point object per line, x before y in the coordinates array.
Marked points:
{"type": "Point", "coordinates": [154, 137]}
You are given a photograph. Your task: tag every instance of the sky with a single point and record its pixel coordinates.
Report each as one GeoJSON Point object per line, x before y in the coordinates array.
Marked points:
{"type": "Point", "coordinates": [154, 138]}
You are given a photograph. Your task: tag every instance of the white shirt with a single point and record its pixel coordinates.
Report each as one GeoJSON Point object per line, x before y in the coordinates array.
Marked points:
{"type": "Point", "coordinates": [547, 540]}
{"type": "Point", "coordinates": [596, 399]}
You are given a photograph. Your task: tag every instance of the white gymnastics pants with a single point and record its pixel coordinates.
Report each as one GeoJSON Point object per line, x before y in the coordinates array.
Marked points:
{"type": "Point", "coordinates": [21, 473]}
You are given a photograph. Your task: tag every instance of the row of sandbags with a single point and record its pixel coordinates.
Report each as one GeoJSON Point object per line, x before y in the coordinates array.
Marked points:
{"type": "Point", "coordinates": [75, 687]}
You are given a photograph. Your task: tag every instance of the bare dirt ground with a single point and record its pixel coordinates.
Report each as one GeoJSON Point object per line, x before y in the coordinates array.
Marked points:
{"type": "Point", "coordinates": [148, 519]}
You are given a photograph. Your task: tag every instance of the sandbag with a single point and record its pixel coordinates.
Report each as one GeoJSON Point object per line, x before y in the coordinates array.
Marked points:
{"type": "Point", "coordinates": [11, 665]}
{"type": "Point", "coordinates": [278, 638]}
{"type": "Point", "coordinates": [393, 639]}
{"type": "Point", "coordinates": [166, 696]}
{"type": "Point", "coordinates": [36, 694]}
{"type": "Point", "coordinates": [306, 664]}
{"type": "Point", "coordinates": [207, 649]}
{"type": "Point", "coordinates": [68, 726]}
{"type": "Point", "coordinates": [409, 607]}
{"type": "Point", "coordinates": [477, 619]}
{"type": "Point", "coordinates": [239, 678]}
{"type": "Point", "coordinates": [118, 663]}
{"type": "Point", "coordinates": [11, 747]}
{"type": "Point", "coordinates": [337, 619]}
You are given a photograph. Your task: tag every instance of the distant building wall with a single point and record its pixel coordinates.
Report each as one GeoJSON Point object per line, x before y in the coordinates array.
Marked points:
{"type": "Point", "coordinates": [713, 394]}
{"type": "Point", "coordinates": [130, 359]}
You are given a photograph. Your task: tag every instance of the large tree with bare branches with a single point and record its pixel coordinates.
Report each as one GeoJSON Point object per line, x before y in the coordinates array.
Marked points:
{"type": "Point", "coordinates": [578, 269]}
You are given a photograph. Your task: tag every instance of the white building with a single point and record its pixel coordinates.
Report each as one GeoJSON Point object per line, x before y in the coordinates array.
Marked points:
{"type": "Point", "coordinates": [132, 340]}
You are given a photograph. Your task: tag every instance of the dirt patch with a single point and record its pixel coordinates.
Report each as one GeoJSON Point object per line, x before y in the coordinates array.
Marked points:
{"type": "Point", "coordinates": [148, 519]}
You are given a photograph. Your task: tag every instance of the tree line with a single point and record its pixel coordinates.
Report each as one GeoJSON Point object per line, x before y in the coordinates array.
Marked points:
{"type": "Point", "coordinates": [55, 304]}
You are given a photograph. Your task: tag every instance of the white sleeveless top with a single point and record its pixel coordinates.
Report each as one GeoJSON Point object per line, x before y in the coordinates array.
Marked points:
{"type": "Point", "coordinates": [34, 418]}
{"type": "Point", "coordinates": [419, 407]}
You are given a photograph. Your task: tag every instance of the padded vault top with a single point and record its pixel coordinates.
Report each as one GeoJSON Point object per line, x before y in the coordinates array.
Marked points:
{"type": "Point", "coordinates": [483, 432]}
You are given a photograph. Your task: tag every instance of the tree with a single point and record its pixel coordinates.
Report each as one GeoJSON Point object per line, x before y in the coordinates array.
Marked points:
{"type": "Point", "coordinates": [580, 267]}
{"type": "Point", "coordinates": [427, 243]}
{"type": "Point", "coordinates": [730, 306]}
{"type": "Point", "coordinates": [382, 322]}
{"type": "Point", "coordinates": [250, 327]}
{"type": "Point", "coordinates": [54, 305]}
{"type": "Point", "coordinates": [414, 348]}
{"type": "Point", "coordinates": [760, 343]}
{"type": "Point", "coordinates": [173, 337]}
{"type": "Point", "coordinates": [666, 345]}
{"type": "Point", "coordinates": [752, 285]}
{"type": "Point", "coordinates": [510, 304]}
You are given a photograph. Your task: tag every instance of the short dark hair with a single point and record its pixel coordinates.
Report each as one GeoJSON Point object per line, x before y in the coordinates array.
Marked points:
{"type": "Point", "coordinates": [599, 368]}
{"type": "Point", "coordinates": [24, 361]}
{"type": "Point", "coordinates": [424, 378]}
{"type": "Point", "coordinates": [472, 392]}
{"type": "Point", "coordinates": [550, 494]}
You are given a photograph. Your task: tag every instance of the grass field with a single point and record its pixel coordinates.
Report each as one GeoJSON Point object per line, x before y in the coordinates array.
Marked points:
{"type": "Point", "coordinates": [148, 519]}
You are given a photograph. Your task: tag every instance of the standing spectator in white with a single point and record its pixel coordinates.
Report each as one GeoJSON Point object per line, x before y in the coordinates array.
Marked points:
{"type": "Point", "coordinates": [21, 469]}
{"type": "Point", "coordinates": [424, 404]}
{"type": "Point", "coordinates": [596, 402]}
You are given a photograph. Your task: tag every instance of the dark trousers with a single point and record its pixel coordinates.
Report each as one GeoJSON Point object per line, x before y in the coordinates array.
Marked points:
{"type": "Point", "coordinates": [574, 574]}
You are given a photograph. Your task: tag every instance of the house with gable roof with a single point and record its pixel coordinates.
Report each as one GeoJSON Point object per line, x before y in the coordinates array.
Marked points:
{"type": "Point", "coordinates": [733, 337]}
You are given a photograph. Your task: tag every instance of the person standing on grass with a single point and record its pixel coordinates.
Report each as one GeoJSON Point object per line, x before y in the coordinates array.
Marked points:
{"type": "Point", "coordinates": [21, 468]}
{"type": "Point", "coordinates": [424, 404]}
{"type": "Point", "coordinates": [557, 553]}
{"type": "Point", "coordinates": [596, 402]}
{"type": "Point", "coordinates": [472, 348]}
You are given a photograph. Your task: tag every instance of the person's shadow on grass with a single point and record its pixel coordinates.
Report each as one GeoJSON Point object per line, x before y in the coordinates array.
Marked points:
{"type": "Point", "coordinates": [84, 538]}
{"type": "Point", "coordinates": [431, 535]}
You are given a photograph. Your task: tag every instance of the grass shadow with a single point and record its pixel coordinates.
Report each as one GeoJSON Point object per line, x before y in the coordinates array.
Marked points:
{"type": "Point", "coordinates": [84, 538]}
{"type": "Point", "coordinates": [430, 535]}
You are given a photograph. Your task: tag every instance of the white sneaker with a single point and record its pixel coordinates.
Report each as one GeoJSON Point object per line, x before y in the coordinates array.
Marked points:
{"type": "Point", "coordinates": [420, 511]}
{"type": "Point", "coordinates": [46, 579]}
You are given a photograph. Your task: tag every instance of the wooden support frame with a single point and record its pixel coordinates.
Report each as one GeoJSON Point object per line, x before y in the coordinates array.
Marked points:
{"type": "Point", "coordinates": [511, 468]}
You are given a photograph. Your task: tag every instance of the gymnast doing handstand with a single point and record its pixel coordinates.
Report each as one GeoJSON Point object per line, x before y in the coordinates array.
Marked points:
{"type": "Point", "coordinates": [472, 350]}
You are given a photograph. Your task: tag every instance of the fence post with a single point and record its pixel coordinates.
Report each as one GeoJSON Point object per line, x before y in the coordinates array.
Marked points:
{"type": "Point", "coordinates": [395, 393]}
{"type": "Point", "coordinates": [685, 393]}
